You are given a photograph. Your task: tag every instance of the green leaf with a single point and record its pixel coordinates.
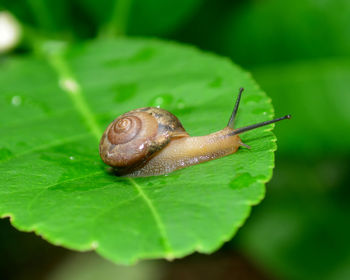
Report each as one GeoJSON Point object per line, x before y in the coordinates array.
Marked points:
{"type": "Point", "coordinates": [316, 94]}
{"type": "Point", "coordinates": [138, 17]}
{"type": "Point", "coordinates": [303, 224]}
{"type": "Point", "coordinates": [53, 182]}
{"type": "Point", "coordinates": [48, 16]}
{"type": "Point", "coordinates": [84, 18]}
{"type": "Point", "coordinates": [278, 30]}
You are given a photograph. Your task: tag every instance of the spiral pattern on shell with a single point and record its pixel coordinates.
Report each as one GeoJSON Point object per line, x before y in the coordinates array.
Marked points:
{"type": "Point", "coordinates": [128, 139]}
{"type": "Point", "coordinates": [124, 130]}
{"type": "Point", "coordinates": [134, 137]}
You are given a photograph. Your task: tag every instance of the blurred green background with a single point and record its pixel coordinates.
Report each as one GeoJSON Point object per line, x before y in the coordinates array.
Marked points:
{"type": "Point", "coordinates": [299, 53]}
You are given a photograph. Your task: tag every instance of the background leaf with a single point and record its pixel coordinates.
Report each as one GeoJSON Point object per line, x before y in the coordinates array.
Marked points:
{"type": "Point", "coordinates": [49, 16]}
{"type": "Point", "coordinates": [53, 181]}
{"type": "Point", "coordinates": [87, 18]}
{"type": "Point", "coordinates": [317, 94]}
{"type": "Point", "coordinates": [281, 31]}
{"type": "Point", "coordinates": [311, 225]}
{"type": "Point", "coordinates": [142, 17]}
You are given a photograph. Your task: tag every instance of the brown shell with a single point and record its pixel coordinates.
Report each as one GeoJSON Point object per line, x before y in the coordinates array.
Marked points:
{"type": "Point", "coordinates": [135, 136]}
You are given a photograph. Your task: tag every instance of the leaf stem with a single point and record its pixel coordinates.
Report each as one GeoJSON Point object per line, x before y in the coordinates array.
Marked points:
{"type": "Point", "coordinates": [32, 38]}
{"type": "Point", "coordinates": [42, 14]}
{"type": "Point", "coordinates": [117, 25]}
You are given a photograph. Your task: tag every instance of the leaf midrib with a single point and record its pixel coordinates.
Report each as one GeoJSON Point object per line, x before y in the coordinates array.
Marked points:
{"type": "Point", "coordinates": [76, 95]}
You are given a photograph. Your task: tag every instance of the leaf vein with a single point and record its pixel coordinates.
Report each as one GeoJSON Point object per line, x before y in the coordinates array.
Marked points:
{"type": "Point", "coordinates": [156, 217]}
{"type": "Point", "coordinates": [72, 88]}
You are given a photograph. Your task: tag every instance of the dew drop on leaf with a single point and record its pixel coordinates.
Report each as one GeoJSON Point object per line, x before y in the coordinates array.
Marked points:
{"type": "Point", "coordinates": [81, 204]}
{"type": "Point", "coordinates": [16, 100]}
{"type": "Point", "coordinates": [180, 104]}
{"type": "Point", "coordinates": [162, 101]}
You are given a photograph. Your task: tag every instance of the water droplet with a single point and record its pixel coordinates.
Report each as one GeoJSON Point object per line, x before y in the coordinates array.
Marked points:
{"type": "Point", "coordinates": [16, 100]}
{"type": "Point", "coordinates": [162, 101]}
{"type": "Point", "coordinates": [180, 104]}
{"type": "Point", "coordinates": [260, 111]}
{"type": "Point", "coordinates": [241, 181]}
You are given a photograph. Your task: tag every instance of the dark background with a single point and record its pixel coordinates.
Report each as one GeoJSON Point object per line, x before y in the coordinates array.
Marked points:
{"type": "Point", "coordinates": [299, 53]}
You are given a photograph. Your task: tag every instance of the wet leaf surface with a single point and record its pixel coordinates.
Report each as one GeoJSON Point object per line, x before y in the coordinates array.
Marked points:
{"type": "Point", "coordinates": [53, 112]}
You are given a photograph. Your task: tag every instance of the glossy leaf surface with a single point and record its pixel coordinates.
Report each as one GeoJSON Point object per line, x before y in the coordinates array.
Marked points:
{"type": "Point", "coordinates": [52, 181]}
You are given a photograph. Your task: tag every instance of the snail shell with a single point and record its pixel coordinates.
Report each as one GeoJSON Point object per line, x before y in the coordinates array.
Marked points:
{"type": "Point", "coordinates": [135, 136]}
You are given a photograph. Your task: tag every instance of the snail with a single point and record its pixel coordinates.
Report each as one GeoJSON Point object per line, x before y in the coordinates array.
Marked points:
{"type": "Point", "coordinates": [151, 141]}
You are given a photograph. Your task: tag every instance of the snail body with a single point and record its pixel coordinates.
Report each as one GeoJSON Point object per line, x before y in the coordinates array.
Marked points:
{"type": "Point", "coordinates": [187, 151]}
{"type": "Point", "coordinates": [152, 141]}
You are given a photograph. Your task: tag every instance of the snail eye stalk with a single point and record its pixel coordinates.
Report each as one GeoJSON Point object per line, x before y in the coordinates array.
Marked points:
{"type": "Point", "coordinates": [253, 126]}
{"type": "Point", "coordinates": [231, 122]}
